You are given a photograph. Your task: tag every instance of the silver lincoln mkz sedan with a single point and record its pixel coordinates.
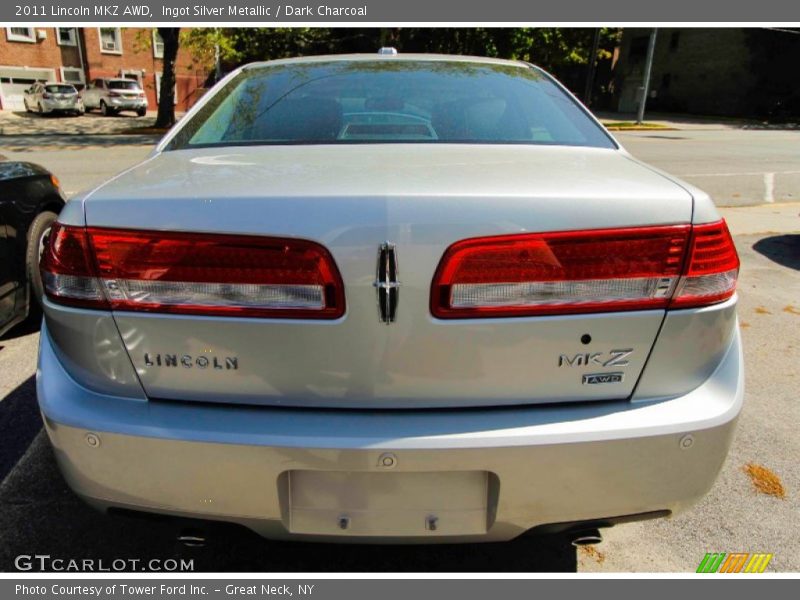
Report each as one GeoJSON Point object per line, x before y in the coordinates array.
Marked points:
{"type": "Point", "coordinates": [391, 298]}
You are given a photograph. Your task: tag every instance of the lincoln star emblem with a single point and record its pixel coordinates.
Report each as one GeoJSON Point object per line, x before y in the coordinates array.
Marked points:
{"type": "Point", "coordinates": [386, 283]}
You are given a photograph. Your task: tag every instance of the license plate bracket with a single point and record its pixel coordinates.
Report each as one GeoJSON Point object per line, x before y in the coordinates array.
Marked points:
{"type": "Point", "coordinates": [388, 503]}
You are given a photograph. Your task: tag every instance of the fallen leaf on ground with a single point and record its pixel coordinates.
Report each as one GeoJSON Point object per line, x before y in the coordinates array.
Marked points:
{"type": "Point", "coordinates": [764, 480]}
{"type": "Point", "coordinates": [592, 552]}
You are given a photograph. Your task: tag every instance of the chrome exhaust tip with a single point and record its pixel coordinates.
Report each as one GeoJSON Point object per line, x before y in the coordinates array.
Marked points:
{"type": "Point", "coordinates": [587, 538]}
{"type": "Point", "coordinates": [192, 539]}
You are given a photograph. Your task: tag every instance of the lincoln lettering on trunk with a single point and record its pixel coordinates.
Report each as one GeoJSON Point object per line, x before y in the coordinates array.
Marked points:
{"type": "Point", "coordinates": [187, 361]}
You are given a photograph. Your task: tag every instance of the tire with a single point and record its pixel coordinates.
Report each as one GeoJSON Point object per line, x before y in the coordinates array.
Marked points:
{"type": "Point", "coordinates": [140, 112]}
{"type": "Point", "coordinates": [105, 110]}
{"type": "Point", "coordinates": [37, 233]}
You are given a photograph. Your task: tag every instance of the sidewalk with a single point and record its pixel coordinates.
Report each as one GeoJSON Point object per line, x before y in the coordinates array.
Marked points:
{"type": "Point", "coordinates": [763, 219]}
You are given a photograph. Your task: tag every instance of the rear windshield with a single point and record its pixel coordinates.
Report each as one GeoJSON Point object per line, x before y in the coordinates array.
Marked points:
{"type": "Point", "coordinates": [123, 85]}
{"type": "Point", "coordinates": [60, 89]}
{"type": "Point", "coordinates": [390, 101]}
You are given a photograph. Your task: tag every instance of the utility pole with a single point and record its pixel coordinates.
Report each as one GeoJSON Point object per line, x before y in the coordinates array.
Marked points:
{"type": "Point", "coordinates": [587, 94]}
{"type": "Point", "coordinates": [648, 67]}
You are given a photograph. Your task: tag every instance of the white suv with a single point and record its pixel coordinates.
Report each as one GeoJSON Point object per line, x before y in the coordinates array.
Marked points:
{"type": "Point", "coordinates": [111, 96]}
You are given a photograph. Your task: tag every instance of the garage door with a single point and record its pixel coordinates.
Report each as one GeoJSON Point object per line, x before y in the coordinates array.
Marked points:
{"type": "Point", "coordinates": [15, 80]}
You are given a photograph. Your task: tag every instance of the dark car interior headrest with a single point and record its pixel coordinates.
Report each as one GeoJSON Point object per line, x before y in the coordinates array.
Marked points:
{"type": "Point", "coordinates": [299, 119]}
{"type": "Point", "coordinates": [479, 119]}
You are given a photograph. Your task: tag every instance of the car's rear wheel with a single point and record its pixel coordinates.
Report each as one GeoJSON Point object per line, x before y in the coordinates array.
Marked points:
{"type": "Point", "coordinates": [105, 110]}
{"type": "Point", "coordinates": [141, 112]}
{"type": "Point", "coordinates": [37, 238]}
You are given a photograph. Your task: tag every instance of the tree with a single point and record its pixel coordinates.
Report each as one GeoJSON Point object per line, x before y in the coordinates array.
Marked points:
{"type": "Point", "coordinates": [170, 36]}
{"type": "Point", "coordinates": [566, 52]}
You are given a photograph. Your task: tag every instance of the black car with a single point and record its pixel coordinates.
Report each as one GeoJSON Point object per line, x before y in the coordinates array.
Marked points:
{"type": "Point", "coordinates": [30, 200]}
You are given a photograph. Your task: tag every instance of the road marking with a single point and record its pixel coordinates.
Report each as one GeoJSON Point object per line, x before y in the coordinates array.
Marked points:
{"type": "Point", "coordinates": [769, 187]}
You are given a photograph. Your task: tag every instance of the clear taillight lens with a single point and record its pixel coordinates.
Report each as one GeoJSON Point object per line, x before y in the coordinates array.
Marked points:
{"type": "Point", "coordinates": [190, 273]}
{"type": "Point", "coordinates": [712, 267]}
{"type": "Point", "coordinates": [584, 272]}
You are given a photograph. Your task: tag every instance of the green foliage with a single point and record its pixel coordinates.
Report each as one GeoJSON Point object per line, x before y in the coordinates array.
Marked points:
{"type": "Point", "coordinates": [554, 49]}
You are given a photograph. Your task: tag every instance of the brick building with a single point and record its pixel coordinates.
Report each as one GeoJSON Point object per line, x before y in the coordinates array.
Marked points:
{"type": "Point", "coordinates": [79, 55]}
{"type": "Point", "coordinates": [700, 71]}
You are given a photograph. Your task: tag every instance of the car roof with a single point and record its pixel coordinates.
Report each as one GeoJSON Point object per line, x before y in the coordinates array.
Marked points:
{"type": "Point", "coordinates": [323, 58]}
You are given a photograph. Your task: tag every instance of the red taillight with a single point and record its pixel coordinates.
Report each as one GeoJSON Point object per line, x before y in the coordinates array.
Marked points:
{"type": "Point", "coordinates": [580, 272]}
{"type": "Point", "coordinates": [113, 94]}
{"type": "Point", "coordinates": [46, 96]}
{"type": "Point", "coordinates": [712, 267]}
{"type": "Point", "coordinates": [68, 271]}
{"type": "Point", "coordinates": [192, 273]}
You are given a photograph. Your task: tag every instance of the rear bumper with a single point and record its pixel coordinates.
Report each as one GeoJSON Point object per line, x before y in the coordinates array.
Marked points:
{"type": "Point", "coordinates": [546, 464]}
{"type": "Point", "coordinates": [127, 104]}
{"type": "Point", "coordinates": [58, 106]}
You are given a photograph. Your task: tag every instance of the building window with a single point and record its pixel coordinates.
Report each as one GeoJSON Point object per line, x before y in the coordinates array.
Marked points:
{"type": "Point", "coordinates": [674, 40]}
{"type": "Point", "coordinates": [74, 76]}
{"type": "Point", "coordinates": [66, 36]}
{"type": "Point", "coordinates": [110, 40]}
{"type": "Point", "coordinates": [158, 45]}
{"type": "Point", "coordinates": [20, 34]}
{"type": "Point", "coordinates": [131, 74]}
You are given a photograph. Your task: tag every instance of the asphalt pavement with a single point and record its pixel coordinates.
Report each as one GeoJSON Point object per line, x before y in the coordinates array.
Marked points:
{"type": "Point", "coordinates": [736, 166]}
{"type": "Point", "coordinates": [39, 515]}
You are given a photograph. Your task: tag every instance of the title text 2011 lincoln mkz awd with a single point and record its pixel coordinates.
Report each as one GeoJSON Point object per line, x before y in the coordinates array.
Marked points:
{"type": "Point", "coordinates": [403, 298]}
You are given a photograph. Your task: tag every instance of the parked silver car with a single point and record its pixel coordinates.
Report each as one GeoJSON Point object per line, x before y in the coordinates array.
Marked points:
{"type": "Point", "coordinates": [111, 96]}
{"type": "Point", "coordinates": [48, 98]}
{"type": "Point", "coordinates": [397, 298]}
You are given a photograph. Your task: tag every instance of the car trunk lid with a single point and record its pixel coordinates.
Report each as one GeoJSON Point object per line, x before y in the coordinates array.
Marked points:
{"type": "Point", "coordinates": [421, 199]}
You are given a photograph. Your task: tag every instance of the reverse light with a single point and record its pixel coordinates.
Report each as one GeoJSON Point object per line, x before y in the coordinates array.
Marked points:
{"type": "Point", "coordinates": [585, 272]}
{"type": "Point", "coordinates": [711, 270]}
{"type": "Point", "coordinates": [191, 273]}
